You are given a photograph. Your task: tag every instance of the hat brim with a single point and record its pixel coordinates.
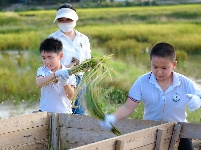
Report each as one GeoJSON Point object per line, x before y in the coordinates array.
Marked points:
{"type": "Point", "coordinates": [66, 13]}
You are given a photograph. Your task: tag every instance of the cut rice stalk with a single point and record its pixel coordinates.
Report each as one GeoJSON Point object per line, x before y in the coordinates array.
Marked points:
{"type": "Point", "coordinates": [91, 96]}
{"type": "Point", "coordinates": [85, 66]}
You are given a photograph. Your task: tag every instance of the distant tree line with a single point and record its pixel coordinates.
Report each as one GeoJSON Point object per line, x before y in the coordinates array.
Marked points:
{"type": "Point", "coordinates": [9, 2]}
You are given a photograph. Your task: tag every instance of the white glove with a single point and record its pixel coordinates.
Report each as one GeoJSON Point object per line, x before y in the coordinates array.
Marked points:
{"type": "Point", "coordinates": [64, 81]}
{"type": "Point", "coordinates": [194, 103]}
{"type": "Point", "coordinates": [63, 73]}
{"type": "Point", "coordinates": [108, 122]}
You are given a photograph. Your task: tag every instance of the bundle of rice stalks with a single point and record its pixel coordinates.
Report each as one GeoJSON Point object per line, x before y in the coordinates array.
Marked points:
{"type": "Point", "coordinates": [93, 94]}
{"type": "Point", "coordinates": [85, 66]}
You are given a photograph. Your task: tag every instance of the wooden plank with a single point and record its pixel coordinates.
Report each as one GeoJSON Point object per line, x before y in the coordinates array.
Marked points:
{"type": "Point", "coordinates": [147, 136]}
{"type": "Point", "coordinates": [190, 130]}
{"type": "Point", "coordinates": [109, 144]}
{"type": "Point", "coordinates": [40, 145]}
{"type": "Point", "coordinates": [64, 119]}
{"type": "Point", "coordinates": [163, 138]}
{"type": "Point", "coordinates": [23, 122]}
{"type": "Point", "coordinates": [175, 137]}
{"type": "Point", "coordinates": [125, 125]}
{"type": "Point", "coordinates": [159, 139]}
{"type": "Point", "coordinates": [132, 140]}
{"type": "Point", "coordinates": [132, 125]}
{"type": "Point", "coordinates": [23, 137]}
{"type": "Point", "coordinates": [78, 137]}
{"type": "Point", "coordinates": [119, 145]}
{"type": "Point", "coordinates": [146, 147]}
{"type": "Point", "coordinates": [55, 131]}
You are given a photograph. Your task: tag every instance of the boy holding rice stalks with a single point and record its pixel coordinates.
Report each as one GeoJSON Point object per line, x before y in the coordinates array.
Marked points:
{"type": "Point", "coordinates": [55, 97]}
{"type": "Point", "coordinates": [165, 93]}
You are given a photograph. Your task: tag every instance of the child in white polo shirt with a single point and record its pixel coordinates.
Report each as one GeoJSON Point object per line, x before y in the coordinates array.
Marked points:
{"type": "Point", "coordinates": [165, 93]}
{"type": "Point", "coordinates": [55, 97]}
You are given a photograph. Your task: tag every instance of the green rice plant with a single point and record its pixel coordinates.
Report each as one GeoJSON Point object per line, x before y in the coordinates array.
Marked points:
{"type": "Point", "coordinates": [94, 93]}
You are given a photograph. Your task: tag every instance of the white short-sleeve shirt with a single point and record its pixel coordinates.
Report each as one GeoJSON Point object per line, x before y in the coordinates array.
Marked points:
{"type": "Point", "coordinates": [79, 48]}
{"type": "Point", "coordinates": [53, 97]}
{"type": "Point", "coordinates": [158, 105]}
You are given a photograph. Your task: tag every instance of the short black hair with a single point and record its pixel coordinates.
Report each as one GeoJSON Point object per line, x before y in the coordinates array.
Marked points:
{"type": "Point", "coordinates": [51, 45]}
{"type": "Point", "coordinates": [66, 5]}
{"type": "Point", "coordinates": [164, 50]}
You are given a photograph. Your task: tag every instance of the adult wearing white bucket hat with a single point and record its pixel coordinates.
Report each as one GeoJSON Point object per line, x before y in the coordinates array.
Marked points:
{"type": "Point", "coordinates": [76, 46]}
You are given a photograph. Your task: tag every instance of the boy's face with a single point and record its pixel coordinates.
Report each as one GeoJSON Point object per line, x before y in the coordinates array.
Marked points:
{"type": "Point", "coordinates": [52, 60]}
{"type": "Point", "coordinates": [162, 67]}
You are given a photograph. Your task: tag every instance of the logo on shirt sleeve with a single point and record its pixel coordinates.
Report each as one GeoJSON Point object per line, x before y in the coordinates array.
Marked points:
{"type": "Point", "coordinates": [176, 97]}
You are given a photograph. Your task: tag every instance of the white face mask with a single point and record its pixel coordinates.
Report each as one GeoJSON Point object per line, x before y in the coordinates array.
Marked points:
{"type": "Point", "coordinates": [67, 27]}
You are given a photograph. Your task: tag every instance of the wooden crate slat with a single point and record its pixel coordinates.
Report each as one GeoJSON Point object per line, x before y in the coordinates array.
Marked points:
{"type": "Point", "coordinates": [163, 137]}
{"type": "Point", "coordinates": [175, 137]}
{"type": "Point", "coordinates": [190, 130]}
{"type": "Point", "coordinates": [77, 137]}
{"type": "Point", "coordinates": [101, 145]}
{"type": "Point", "coordinates": [23, 122]}
{"type": "Point", "coordinates": [146, 147]}
{"type": "Point", "coordinates": [146, 136]}
{"type": "Point", "coordinates": [119, 145]}
{"type": "Point", "coordinates": [23, 137]}
{"type": "Point", "coordinates": [55, 131]}
{"type": "Point", "coordinates": [63, 118]}
{"type": "Point", "coordinates": [40, 145]}
{"type": "Point", "coordinates": [125, 125]}
{"type": "Point", "coordinates": [132, 125]}
{"type": "Point", "coordinates": [159, 139]}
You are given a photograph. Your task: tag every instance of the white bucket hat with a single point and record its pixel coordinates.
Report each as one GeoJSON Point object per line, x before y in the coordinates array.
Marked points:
{"type": "Point", "coordinates": [66, 13]}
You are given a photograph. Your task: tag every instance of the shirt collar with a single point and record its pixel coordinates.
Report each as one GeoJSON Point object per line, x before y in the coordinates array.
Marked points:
{"type": "Point", "coordinates": [48, 70]}
{"type": "Point", "coordinates": [176, 80]}
{"type": "Point", "coordinates": [60, 33]}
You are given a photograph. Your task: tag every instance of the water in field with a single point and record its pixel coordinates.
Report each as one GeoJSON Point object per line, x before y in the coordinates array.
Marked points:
{"type": "Point", "coordinates": [10, 110]}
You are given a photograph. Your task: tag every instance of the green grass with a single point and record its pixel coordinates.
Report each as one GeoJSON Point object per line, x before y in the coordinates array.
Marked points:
{"type": "Point", "coordinates": [18, 74]}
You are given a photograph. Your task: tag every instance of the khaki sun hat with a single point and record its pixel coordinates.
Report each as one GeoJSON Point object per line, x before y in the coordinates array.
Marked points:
{"type": "Point", "coordinates": [66, 13]}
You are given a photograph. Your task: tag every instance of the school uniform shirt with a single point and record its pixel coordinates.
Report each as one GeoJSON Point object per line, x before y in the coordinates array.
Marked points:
{"type": "Point", "coordinates": [79, 48]}
{"type": "Point", "coordinates": [53, 97]}
{"type": "Point", "coordinates": [158, 105]}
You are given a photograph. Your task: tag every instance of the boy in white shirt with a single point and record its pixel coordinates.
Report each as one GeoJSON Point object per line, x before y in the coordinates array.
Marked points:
{"type": "Point", "coordinates": [165, 93]}
{"type": "Point", "coordinates": [55, 97]}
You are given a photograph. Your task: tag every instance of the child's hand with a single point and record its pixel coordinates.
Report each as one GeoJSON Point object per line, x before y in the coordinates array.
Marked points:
{"type": "Point", "coordinates": [63, 73]}
{"type": "Point", "coordinates": [75, 61]}
{"type": "Point", "coordinates": [194, 103]}
{"type": "Point", "coordinates": [64, 81]}
{"type": "Point", "coordinates": [108, 122]}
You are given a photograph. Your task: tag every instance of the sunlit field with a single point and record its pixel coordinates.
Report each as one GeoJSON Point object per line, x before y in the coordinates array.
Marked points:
{"type": "Point", "coordinates": [128, 33]}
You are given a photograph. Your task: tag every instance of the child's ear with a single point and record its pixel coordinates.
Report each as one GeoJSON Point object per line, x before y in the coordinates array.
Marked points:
{"type": "Point", "coordinates": [61, 55]}
{"type": "Point", "coordinates": [174, 64]}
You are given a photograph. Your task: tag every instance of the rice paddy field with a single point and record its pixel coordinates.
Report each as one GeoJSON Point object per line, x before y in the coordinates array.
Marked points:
{"type": "Point", "coordinates": [126, 32]}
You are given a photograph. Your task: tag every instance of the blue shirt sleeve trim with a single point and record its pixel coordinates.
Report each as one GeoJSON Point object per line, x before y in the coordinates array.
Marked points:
{"type": "Point", "coordinates": [133, 99]}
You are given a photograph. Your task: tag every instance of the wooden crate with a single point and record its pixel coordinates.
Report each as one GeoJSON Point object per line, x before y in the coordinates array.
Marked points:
{"type": "Point", "coordinates": [80, 132]}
